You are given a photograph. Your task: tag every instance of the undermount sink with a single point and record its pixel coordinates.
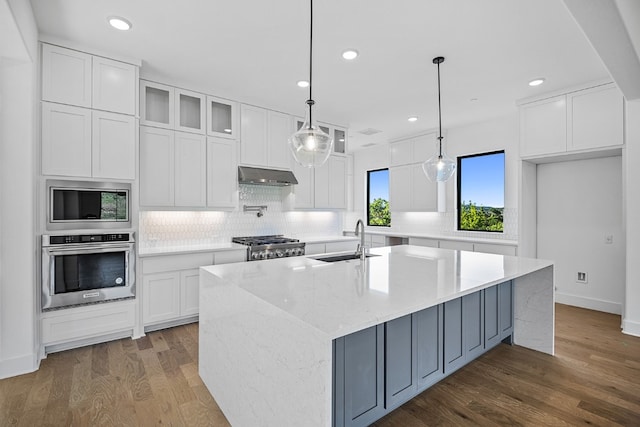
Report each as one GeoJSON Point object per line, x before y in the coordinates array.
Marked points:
{"type": "Point", "coordinates": [340, 257]}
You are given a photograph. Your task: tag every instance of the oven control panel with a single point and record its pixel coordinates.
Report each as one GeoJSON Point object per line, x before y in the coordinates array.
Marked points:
{"type": "Point", "coordinates": [88, 238]}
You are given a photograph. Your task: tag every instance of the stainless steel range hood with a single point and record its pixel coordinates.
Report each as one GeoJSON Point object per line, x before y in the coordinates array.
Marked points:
{"type": "Point", "coordinates": [259, 176]}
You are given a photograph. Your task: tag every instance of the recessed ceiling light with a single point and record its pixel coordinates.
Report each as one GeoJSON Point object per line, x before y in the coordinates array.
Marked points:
{"type": "Point", "coordinates": [119, 23]}
{"type": "Point", "coordinates": [303, 83]}
{"type": "Point", "coordinates": [536, 82]}
{"type": "Point", "coordinates": [413, 119]}
{"type": "Point", "coordinates": [350, 54]}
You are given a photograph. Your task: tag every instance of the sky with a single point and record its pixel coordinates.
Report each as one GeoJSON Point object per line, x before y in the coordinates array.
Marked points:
{"type": "Point", "coordinates": [483, 180]}
{"type": "Point", "coordinates": [379, 185]}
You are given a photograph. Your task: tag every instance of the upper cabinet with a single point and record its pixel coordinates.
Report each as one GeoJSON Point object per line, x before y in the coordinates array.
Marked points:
{"type": "Point", "coordinates": [264, 137]}
{"type": "Point", "coordinates": [156, 105]}
{"type": "Point", "coordinates": [77, 78]}
{"type": "Point", "coordinates": [323, 187]}
{"type": "Point", "coordinates": [579, 121]}
{"type": "Point", "coordinates": [339, 135]}
{"type": "Point", "coordinates": [190, 111]}
{"type": "Point", "coordinates": [222, 118]}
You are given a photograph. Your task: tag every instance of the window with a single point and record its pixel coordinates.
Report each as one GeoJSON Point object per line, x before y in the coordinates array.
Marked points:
{"type": "Point", "coordinates": [481, 192]}
{"type": "Point", "coordinates": [378, 198]}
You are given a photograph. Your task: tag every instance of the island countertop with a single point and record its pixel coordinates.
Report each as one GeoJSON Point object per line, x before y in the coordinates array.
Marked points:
{"type": "Point", "coordinates": [343, 297]}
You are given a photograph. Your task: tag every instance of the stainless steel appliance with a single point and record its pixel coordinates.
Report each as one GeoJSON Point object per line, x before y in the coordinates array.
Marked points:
{"type": "Point", "coordinates": [267, 247]}
{"type": "Point", "coordinates": [79, 204]}
{"type": "Point", "coordinates": [87, 268]}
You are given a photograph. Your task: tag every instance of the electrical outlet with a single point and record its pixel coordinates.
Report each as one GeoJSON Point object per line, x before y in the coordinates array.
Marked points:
{"type": "Point", "coordinates": [581, 277]}
{"type": "Point", "coordinates": [608, 239]}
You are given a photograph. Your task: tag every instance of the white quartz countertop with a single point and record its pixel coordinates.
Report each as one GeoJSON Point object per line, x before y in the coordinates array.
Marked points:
{"type": "Point", "coordinates": [344, 297]}
{"type": "Point", "coordinates": [174, 250]}
{"type": "Point", "coordinates": [391, 233]}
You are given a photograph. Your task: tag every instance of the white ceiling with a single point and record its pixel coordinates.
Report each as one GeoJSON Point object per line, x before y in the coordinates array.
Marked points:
{"type": "Point", "coordinates": [255, 51]}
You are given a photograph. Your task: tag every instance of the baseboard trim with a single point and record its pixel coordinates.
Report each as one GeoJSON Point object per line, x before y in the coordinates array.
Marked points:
{"type": "Point", "coordinates": [18, 365]}
{"type": "Point", "coordinates": [631, 327]}
{"type": "Point", "coordinates": [590, 303]}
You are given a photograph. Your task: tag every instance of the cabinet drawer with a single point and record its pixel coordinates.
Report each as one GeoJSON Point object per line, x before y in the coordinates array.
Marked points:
{"type": "Point", "coordinates": [227, 257]}
{"type": "Point", "coordinates": [418, 241]}
{"type": "Point", "coordinates": [494, 249]}
{"type": "Point", "coordinates": [314, 248]}
{"type": "Point", "coordinates": [176, 262]}
{"type": "Point", "coordinates": [87, 322]}
{"type": "Point", "coordinates": [452, 244]}
{"type": "Point", "coordinates": [341, 246]}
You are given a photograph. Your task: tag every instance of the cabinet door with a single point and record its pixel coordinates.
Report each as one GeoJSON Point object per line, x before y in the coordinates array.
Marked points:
{"type": "Point", "coordinates": [400, 191]}
{"type": "Point", "coordinates": [505, 291]}
{"type": "Point", "coordinates": [189, 292]}
{"type": "Point", "coordinates": [473, 324]}
{"type": "Point", "coordinates": [253, 135]}
{"type": "Point", "coordinates": [190, 163]}
{"type": "Point", "coordinates": [362, 385]}
{"type": "Point", "coordinates": [400, 360]}
{"type": "Point", "coordinates": [429, 339]}
{"type": "Point", "coordinates": [304, 190]}
{"type": "Point", "coordinates": [280, 129]}
{"type": "Point", "coordinates": [340, 140]}
{"type": "Point", "coordinates": [491, 317]}
{"type": "Point", "coordinates": [113, 146]}
{"type": "Point", "coordinates": [222, 173]}
{"type": "Point", "coordinates": [595, 118]}
{"type": "Point", "coordinates": [494, 249]}
{"type": "Point", "coordinates": [454, 352]}
{"type": "Point", "coordinates": [156, 105]}
{"type": "Point", "coordinates": [337, 185]}
{"type": "Point", "coordinates": [222, 118]}
{"type": "Point", "coordinates": [190, 111]}
{"type": "Point", "coordinates": [424, 193]}
{"type": "Point", "coordinates": [66, 140]}
{"type": "Point", "coordinates": [401, 152]}
{"type": "Point", "coordinates": [156, 167]}
{"type": "Point", "coordinates": [456, 245]}
{"type": "Point", "coordinates": [543, 127]}
{"type": "Point", "coordinates": [161, 297]}
{"type": "Point", "coordinates": [321, 185]}
{"type": "Point", "coordinates": [114, 86]}
{"type": "Point", "coordinates": [66, 76]}
{"type": "Point", "coordinates": [424, 146]}
{"type": "Point", "coordinates": [419, 241]}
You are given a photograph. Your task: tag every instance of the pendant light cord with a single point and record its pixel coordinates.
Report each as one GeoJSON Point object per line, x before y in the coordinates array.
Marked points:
{"type": "Point", "coordinates": [310, 101]}
{"type": "Point", "coordinates": [439, 115]}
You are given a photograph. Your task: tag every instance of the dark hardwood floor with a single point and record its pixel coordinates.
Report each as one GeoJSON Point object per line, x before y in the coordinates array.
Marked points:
{"type": "Point", "coordinates": [594, 379]}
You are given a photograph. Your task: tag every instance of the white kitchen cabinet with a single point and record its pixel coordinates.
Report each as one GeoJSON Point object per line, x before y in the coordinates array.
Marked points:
{"type": "Point", "coordinates": [330, 190]}
{"type": "Point", "coordinates": [157, 105]}
{"type": "Point", "coordinates": [422, 241]}
{"type": "Point", "coordinates": [410, 190]}
{"type": "Point", "coordinates": [222, 117]}
{"type": "Point", "coordinates": [66, 140]}
{"type": "Point", "coordinates": [161, 297]}
{"type": "Point", "coordinates": [456, 244]}
{"type": "Point", "coordinates": [304, 190]}
{"type": "Point", "coordinates": [494, 249]}
{"type": "Point", "coordinates": [190, 111]}
{"type": "Point", "coordinates": [279, 131]}
{"type": "Point", "coordinates": [113, 146]}
{"type": "Point", "coordinates": [66, 76]}
{"type": "Point", "coordinates": [412, 150]}
{"type": "Point", "coordinates": [543, 127]}
{"type": "Point", "coordinates": [596, 118]}
{"type": "Point", "coordinates": [582, 120]}
{"type": "Point", "coordinates": [156, 167]}
{"type": "Point", "coordinates": [253, 135]}
{"type": "Point", "coordinates": [114, 86]}
{"type": "Point", "coordinates": [189, 292]}
{"type": "Point", "coordinates": [190, 170]}
{"type": "Point", "coordinates": [222, 173]}
{"type": "Point", "coordinates": [339, 140]}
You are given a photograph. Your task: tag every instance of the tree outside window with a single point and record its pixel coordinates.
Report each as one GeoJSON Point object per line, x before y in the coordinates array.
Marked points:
{"type": "Point", "coordinates": [378, 198]}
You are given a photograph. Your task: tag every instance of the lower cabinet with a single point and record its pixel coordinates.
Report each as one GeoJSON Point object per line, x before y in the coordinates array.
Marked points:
{"type": "Point", "coordinates": [381, 367]}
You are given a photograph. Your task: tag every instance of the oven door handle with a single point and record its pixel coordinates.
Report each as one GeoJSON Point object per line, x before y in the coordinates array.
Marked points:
{"type": "Point", "coordinates": [87, 249]}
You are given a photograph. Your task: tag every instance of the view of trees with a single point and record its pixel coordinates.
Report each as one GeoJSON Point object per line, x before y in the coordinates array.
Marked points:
{"type": "Point", "coordinates": [480, 218]}
{"type": "Point", "coordinates": [379, 212]}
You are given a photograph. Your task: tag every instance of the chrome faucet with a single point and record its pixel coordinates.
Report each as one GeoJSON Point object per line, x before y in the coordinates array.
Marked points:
{"type": "Point", "coordinates": [360, 232]}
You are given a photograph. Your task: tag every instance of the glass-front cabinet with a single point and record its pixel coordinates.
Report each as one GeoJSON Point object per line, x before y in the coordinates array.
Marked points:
{"type": "Point", "coordinates": [222, 117]}
{"type": "Point", "coordinates": [339, 135]}
{"type": "Point", "coordinates": [190, 111]}
{"type": "Point", "coordinates": [156, 108]}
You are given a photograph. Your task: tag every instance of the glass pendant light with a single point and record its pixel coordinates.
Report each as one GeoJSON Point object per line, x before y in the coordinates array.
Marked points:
{"type": "Point", "coordinates": [439, 168]}
{"type": "Point", "coordinates": [310, 145]}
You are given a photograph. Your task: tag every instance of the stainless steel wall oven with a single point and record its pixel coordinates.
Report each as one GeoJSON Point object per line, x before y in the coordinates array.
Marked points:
{"type": "Point", "coordinates": [87, 268]}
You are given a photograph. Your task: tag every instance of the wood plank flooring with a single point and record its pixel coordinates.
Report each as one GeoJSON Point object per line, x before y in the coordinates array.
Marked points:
{"type": "Point", "coordinates": [594, 379]}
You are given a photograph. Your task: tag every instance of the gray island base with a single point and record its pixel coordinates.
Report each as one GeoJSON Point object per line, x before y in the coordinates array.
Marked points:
{"type": "Point", "coordinates": [297, 341]}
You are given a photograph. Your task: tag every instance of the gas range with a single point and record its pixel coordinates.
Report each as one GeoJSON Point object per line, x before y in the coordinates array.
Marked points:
{"type": "Point", "coordinates": [267, 247]}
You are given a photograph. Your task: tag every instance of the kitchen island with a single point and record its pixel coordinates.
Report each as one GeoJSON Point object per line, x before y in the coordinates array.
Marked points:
{"type": "Point", "coordinates": [271, 331]}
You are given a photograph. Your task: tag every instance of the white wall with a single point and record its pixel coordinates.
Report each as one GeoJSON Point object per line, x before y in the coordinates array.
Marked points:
{"type": "Point", "coordinates": [631, 312]}
{"type": "Point", "coordinates": [492, 135]}
{"type": "Point", "coordinates": [579, 204]}
{"type": "Point", "coordinates": [18, 350]}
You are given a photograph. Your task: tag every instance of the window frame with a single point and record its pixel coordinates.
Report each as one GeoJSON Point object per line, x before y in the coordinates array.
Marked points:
{"type": "Point", "coordinates": [459, 188]}
{"type": "Point", "coordinates": [367, 201]}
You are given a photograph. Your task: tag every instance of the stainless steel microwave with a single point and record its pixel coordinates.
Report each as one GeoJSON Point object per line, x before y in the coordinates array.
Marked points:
{"type": "Point", "coordinates": [76, 204]}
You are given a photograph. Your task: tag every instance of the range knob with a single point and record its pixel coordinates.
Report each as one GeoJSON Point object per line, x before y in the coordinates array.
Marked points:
{"type": "Point", "coordinates": [279, 253]}
{"type": "Point", "coordinates": [255, 256]}
{"type": "Point", "coordinates": [270, 255]}
{"type": "Point", "coordinates": [299, 251]}
{"type": "Point", "coordinates": [287, 252]}
{"type": "Point", "coordinates": [263, 255]}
